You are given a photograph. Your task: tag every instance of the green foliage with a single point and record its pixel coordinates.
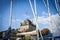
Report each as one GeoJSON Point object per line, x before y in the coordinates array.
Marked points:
{"type": "Point", "coordinates": [28, 37]}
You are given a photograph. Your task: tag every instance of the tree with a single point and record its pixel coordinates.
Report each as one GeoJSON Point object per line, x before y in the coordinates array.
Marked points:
{"type": "Point", "coordinates": [45, 31]}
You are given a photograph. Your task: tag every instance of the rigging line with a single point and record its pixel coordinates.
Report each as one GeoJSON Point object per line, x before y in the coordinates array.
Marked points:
{"type": "Point", "coordinates": [10, 21]}
{"type": "Point", "coordinates": [48, 10]}
{"type": "Point", "coordinates": [35, 7]}
{"type": "Point", "coordinates": [31, 8]}
{"type": "Point", "coordinates": [49, 14]}
{"type": "Point", "coordinates": [50, 17]}
{"type": "Point", "coordinates": [33, 13]}
{"type": "Point", "coordinates": [36, 20]}
{"type": "Point", "coordinates": [44, 3]}
{"type": "Point", "coordinates": [57, 6]}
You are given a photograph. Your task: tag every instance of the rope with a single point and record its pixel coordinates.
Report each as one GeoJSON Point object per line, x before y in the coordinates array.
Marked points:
{"type": "Point", "coordinates": [49, 15]}
{"type": "Point", "coordinates": [31, 8]}
{"type": "Point", "coordinates": [35, 16]}
{"type": "Point", "coordinates": [57, 6]}
{"type": "Point", "coordinates": [44, 3]}
{"type": "Point", "coordinates": [36, 19]}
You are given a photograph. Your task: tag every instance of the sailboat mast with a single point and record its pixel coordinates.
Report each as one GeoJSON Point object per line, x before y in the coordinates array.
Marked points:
{"type": "Point", "coordinates": [10, 21]}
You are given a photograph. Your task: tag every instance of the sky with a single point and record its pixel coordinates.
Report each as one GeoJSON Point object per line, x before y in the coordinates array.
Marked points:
{"type": "Point", "coordinates": [21, 10]}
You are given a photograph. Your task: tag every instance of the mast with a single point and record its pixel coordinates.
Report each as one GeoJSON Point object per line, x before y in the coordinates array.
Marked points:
{"type": "Point", "coordinates": [10, 21]}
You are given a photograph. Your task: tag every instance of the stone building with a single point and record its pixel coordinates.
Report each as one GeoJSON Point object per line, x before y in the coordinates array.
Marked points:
{"type": "Point", "coordinates": [27, 26]}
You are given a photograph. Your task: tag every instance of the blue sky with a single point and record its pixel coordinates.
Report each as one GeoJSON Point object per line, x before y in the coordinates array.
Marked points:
{"type": "Point", "coordinates": [22, 10]}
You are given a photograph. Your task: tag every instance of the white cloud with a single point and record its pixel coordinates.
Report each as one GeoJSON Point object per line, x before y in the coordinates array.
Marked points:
{"type": "Point", "coordinates": [43, 20]}
{"type": "Point", "coordinates": [26, 16]}
{"type": "Point", "coordinates": [15, 20]}
{"type": "Point", "coordinates": [45, 14]}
